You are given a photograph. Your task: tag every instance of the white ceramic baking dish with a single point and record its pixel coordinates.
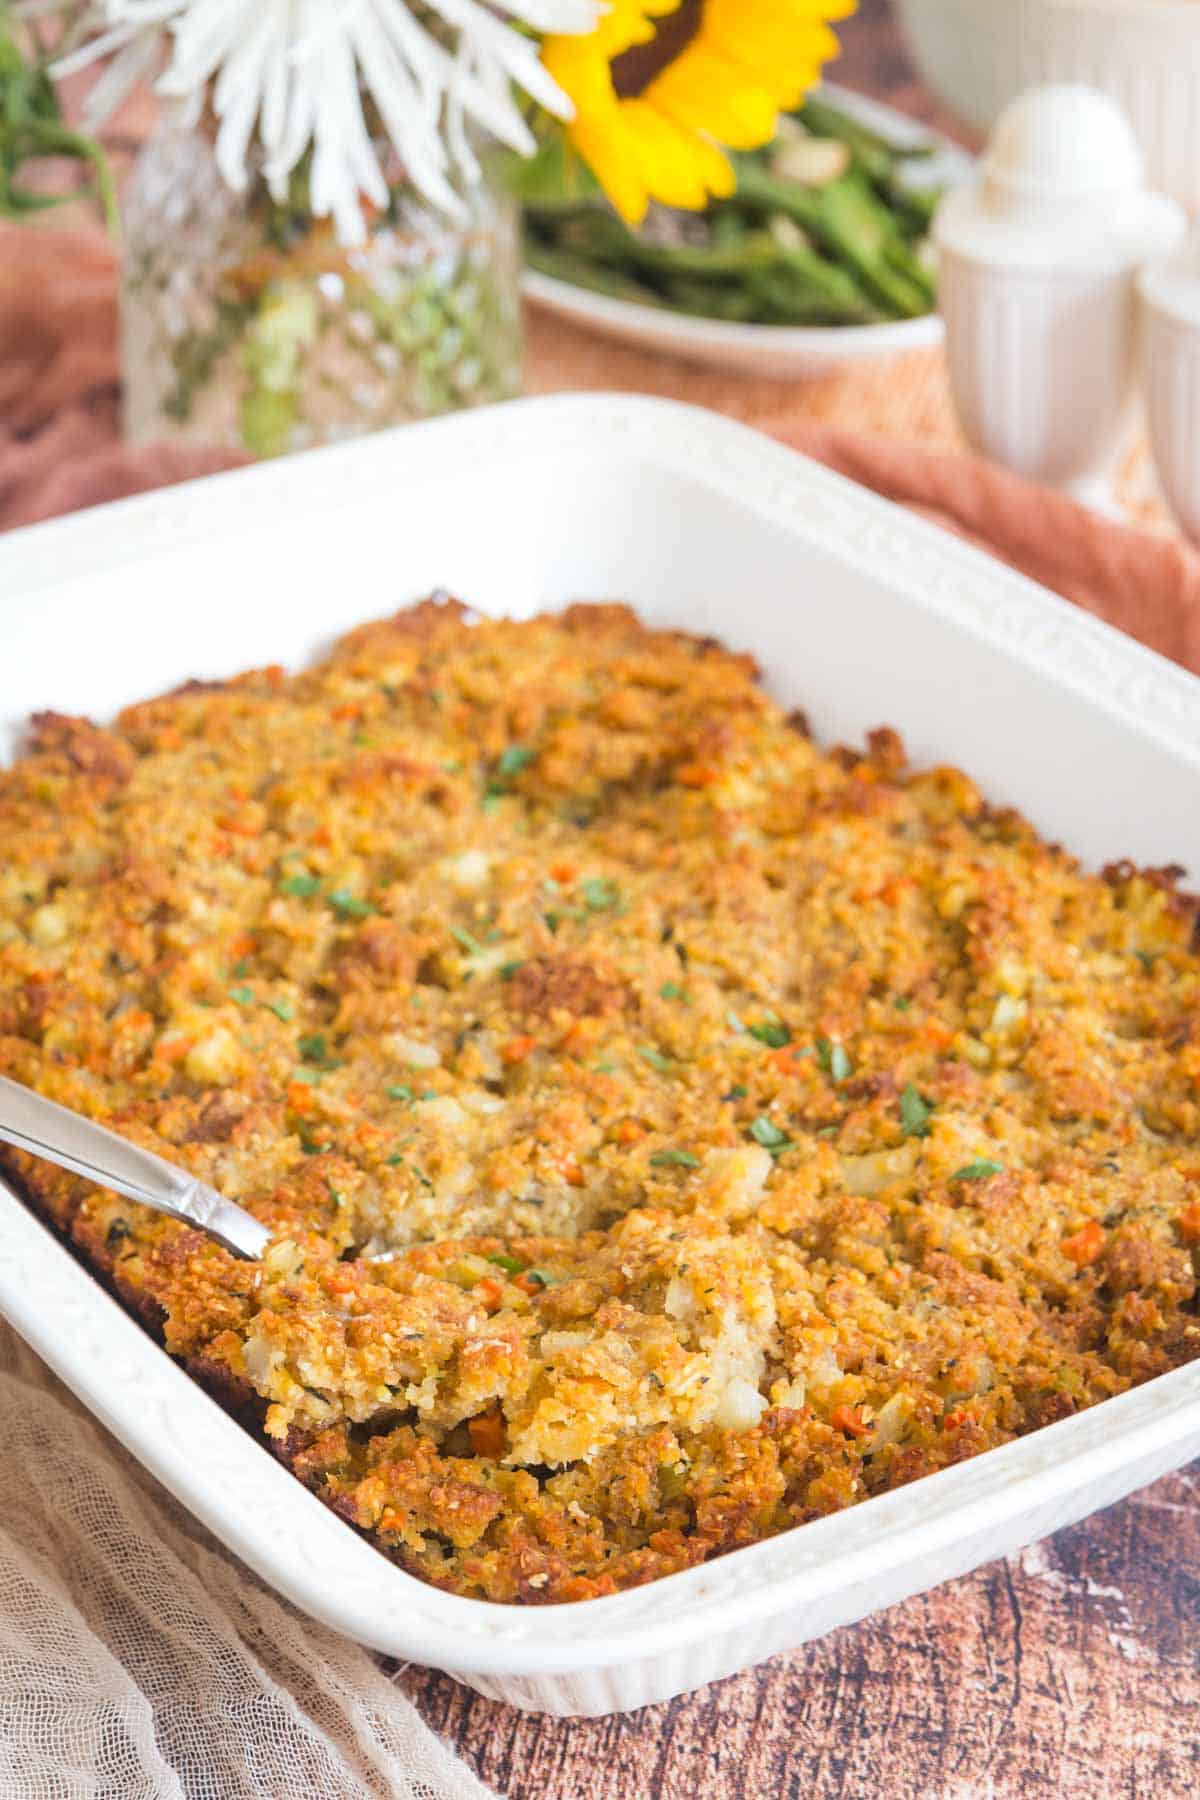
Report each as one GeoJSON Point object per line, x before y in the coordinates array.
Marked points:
{"type": "Point", "coordinates": [858, 612]}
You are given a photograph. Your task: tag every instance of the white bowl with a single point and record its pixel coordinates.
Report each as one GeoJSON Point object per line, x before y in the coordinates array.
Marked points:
{"type": "Point", "coordinates": [858, 611]}
{"type": "Point", "coordinates": [979, 54]}
{"type": "Point", "coordinates": [776, 352]}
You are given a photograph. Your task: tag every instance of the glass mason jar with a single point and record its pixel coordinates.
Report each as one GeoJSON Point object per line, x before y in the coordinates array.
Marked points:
{"type": "Point", "coordinates": [246, 325]}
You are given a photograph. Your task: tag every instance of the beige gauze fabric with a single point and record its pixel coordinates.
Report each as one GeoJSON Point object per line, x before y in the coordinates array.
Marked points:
{"type": "Point", "coordinates": [140, 1661]}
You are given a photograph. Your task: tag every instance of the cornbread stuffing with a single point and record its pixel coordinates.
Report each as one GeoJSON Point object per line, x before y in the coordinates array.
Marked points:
{"type": "Point", "coordinates": [670, 1132]}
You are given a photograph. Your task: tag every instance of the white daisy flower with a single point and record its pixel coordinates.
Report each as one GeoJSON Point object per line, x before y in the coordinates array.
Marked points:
{"type": "Point", "coordinates": [291, 73]}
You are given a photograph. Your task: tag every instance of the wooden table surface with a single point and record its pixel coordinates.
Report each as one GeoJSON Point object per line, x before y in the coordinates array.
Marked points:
{"type": "Point", "coordinates": [1072, 1670]}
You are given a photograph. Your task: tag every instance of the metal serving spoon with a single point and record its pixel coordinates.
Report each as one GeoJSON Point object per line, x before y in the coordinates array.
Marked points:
{"type": "Point", "coordinates": [66, 1138]}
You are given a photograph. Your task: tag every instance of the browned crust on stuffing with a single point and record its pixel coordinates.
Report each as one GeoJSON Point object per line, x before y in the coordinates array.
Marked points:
{"type": "Point", "coordinates": [749, 1129]}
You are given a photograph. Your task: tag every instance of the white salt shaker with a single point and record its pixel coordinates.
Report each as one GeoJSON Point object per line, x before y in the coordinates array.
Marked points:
{"type": "Point", "coordinates": [1170, 294]}
{"type": "Point", "coordinates": [1037, 260]}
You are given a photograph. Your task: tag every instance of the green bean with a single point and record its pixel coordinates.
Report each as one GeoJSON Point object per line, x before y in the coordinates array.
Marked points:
{"type": "Point", "coordinates": [785, 299]}
{"type": "Point", "coordinates": [876, 157]}
{"type": "Point", "coordinates": [914, 208]}
{"type": "Point", "coordinates": [851, 225]}
{"type": "Point", "coordinates": [815, 282]}
{"type": "Point", "coordinates": [567, 265]}
{"type": "Point", "coordinates": [778, 251]}
{"type": "Point", "coordinates": [604, 236]}
{"type": "Point", "coordinates": [689, 295]}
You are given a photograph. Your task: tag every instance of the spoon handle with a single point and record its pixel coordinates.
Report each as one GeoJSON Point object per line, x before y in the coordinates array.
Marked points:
{"type": "Point", "coordinates": [53, 1132]}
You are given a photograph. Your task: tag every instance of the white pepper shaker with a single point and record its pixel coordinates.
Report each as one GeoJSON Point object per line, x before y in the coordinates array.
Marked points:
{"type": "Point", "coordinates": [1170, 294]}
{"type": "Point", "coordinates": [1037, 260]}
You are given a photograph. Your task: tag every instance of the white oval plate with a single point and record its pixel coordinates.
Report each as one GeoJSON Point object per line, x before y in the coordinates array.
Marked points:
{"type": "Point", "coordinates": [785, 352]}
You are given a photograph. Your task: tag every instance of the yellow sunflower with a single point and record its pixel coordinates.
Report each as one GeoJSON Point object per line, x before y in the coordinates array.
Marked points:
{"type": "Point", "coordinates": [744, 63]}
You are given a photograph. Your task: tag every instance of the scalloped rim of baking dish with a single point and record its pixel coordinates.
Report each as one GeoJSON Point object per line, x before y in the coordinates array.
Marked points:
{"type": "Point", "coordinates": [644, 1644]}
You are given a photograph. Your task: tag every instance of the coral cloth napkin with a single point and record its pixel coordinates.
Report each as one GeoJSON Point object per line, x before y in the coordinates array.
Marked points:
{"type": "Point", "coordinates": [59, 448]}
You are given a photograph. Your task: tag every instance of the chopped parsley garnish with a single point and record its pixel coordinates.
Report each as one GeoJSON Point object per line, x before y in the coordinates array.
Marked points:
{"type": "Point", "coordinates": [902, 1002]}
{"type": "Point", "coordinates": [509, 969]}
{"type": "Point", "coordinates": [302, 885]}
{"type": "Point", "coordinates": [599, 893]}
{"type": "Point", "coordinates": [243, 995]}
{"type": "Point", "coordinates": [736, 1092]}
{"type": "Point", "coordinates": [283, 1009]}
{"type": "Point", "coordinates": [348, 905]}
{"type": "Point", "coordinates": [241, 969]}
{"type": "Point", "coordinates": [508, 765]}
{"type": "Point", "coordinates": [310, 1077]}
{"type": "Point", "coordinates": [764, 1131]}
{"type": "Point", "coordinates": [556, 915]}
{"type": "Point", "coordinates": [979, 1170]}
{"type": "Point", "coordinates": [470, 944]}
{"type": "Point", "coordinates": [541, 1277]}
{"type": "Point", "coordinates": [674, 1159]}
{"type": "Point", "coordinates": [420, 1174]}
{"type": "Point", "coordinates": [655, 1058]}
{"type": "Point", "coordinates": [914, 1113]}
{"type": "Point", "coordinates": [314, 1049]}
{"type": "Point", "coordinates": [771, 1032]}
{"type": "Point", "coordinates": [513, 760]}
{"type": "Point", "coordinates": [511, 1265]}
{"type": "Point", "coordinates": [400, 1091]}
{"type": "Point", "coordinates": [338, 1198]}
{"type": "Point", "coordinates": [671, 990]}
{"type": "Point", "coordinates": [1147, 958]}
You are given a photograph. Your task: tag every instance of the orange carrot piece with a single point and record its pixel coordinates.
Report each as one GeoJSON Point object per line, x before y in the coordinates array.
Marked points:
{"type": "Point", "coordinates": [1084, 1245]}
{"type": "Point", "coordinates": [1188, 1223]}
{"type": "Point", "coordinates": [849, 1420]}
{"type": "Point", "coordinates": [490, 1291]}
